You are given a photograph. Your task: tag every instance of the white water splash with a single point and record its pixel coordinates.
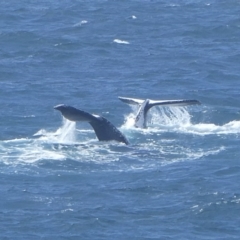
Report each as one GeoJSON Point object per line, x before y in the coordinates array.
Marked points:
{"type": "Point", "coordinates": [161, 116]}
{"type": "Point", "coordinates": [178, 119]}
{"type": "Point", "coordinates": [67, 133]}
{"type": "Point", "coordinates": [150, 147]}
{"type": "Point", "coordinates": [170, 116]}
{"type": "Point", "coordinates": [41, 147]}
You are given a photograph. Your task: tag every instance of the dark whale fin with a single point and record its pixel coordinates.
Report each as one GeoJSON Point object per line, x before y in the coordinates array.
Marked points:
{"type": "Point", "coordinates": [145, 105]}
{"type": "Point", "coordinates": [104, 130]}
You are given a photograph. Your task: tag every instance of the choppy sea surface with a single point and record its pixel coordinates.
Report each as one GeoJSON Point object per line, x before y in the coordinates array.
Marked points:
{"type": "Point", "coordinates": [179, 178]}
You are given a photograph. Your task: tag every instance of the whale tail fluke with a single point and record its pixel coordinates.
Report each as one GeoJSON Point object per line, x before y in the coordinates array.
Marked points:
{"type": "Point", "coordinates": [145, 105]}
{"type": "Point", "coordinates": [151, 103]}
{"type": "Point", "coordinates": [104, 129]}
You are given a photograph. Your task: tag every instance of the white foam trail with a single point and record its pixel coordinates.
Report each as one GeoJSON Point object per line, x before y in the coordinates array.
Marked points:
{"type": "Point", "coordinates": [36, 152]}
{"type": "Point", "coordinates": [32, 150]}
{"type": "Point", "coordinates": [189, 154]}
{"type": "Point", "coordinates": [232, 127]}
{"type": "Point", "coordinates": [27, 151]}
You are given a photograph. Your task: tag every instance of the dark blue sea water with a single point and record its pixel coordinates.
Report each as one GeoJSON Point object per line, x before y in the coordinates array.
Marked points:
{"type": "Point", "coordinates": [179, 178]}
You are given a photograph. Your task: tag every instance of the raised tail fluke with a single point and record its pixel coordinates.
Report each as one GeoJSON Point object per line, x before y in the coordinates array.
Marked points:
{"type": "Point", "coordinates": [145, 105]}
{"type": "Point", "coordinates": [173, 103]}
{"type": "Point", "coordinates": [104, 130]}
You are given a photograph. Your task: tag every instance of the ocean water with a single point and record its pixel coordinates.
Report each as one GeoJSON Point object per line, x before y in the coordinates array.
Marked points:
{"type": "Point", "coordinates": [179, 178]}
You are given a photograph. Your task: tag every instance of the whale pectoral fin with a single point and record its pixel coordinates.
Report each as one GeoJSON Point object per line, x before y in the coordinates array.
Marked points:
{"type": "Point", "coordinates": [133, 101]}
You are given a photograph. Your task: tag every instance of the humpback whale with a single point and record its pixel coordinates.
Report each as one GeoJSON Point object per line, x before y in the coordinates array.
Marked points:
{"type": "Point", "coordinates": [104, 130]}
{"type": "Point", "coordinates": [145, 105]}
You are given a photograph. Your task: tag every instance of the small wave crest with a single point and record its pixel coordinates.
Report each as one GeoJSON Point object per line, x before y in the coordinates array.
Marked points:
{"type": "Point", "coordinates": [120, 41]}
{"type": "Point", "coordinates": [79, 24]}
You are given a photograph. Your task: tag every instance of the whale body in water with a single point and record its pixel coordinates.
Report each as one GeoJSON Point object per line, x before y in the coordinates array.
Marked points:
{"type": "Point", "coordinates": [145, 105]}
{"type": "Point", "coordinates": [104, 129]}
